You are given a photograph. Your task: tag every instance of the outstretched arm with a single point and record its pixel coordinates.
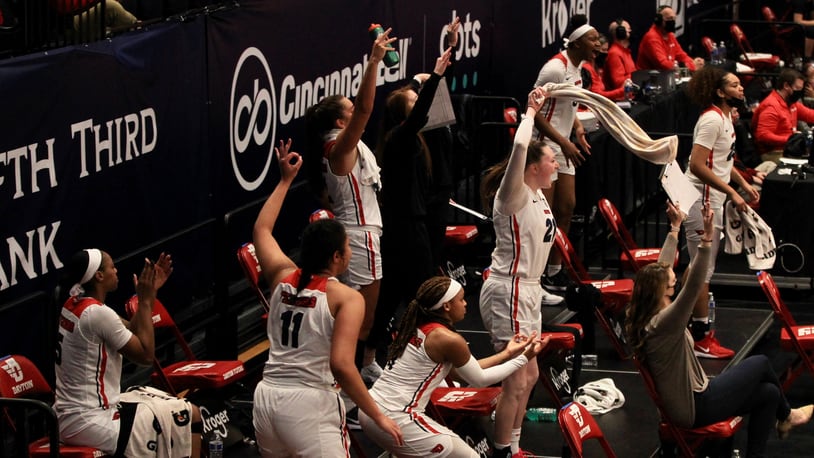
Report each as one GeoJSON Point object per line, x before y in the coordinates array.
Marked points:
{"type": "Point", "coordinates": [342, 156]}
{"type": "Point", "coordinates": [273, 261]}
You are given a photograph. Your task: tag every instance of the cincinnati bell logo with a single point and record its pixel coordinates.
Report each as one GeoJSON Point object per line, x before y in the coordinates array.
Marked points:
{"type": "Point", "coordinates": [252, 119]}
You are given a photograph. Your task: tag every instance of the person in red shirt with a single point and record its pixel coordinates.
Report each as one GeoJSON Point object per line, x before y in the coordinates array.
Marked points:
{"type": "Point", "coordinates": [775, 119]}
{"type": "Point", "coordinates": [619, 66]}
{"type": "Point", "coordinates": [594, 68]}
{"type": "Point", "coordinates": [659, 47]}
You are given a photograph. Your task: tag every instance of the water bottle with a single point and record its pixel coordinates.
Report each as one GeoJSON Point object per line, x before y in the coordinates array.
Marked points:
{"type": "Point", "coordinates": [391, 58]}
{"type": "Point", "coordinates": [589, 360]}
{"type": "Point", "coordinates": [216, 446]}
{"type": "Point", "coordinates": [722, 53]}
{"type": "Point", "coordinates": [629, 90]}
{"type": "Point", "coordinates": [711, 311]}
{"type": "Point", "coordinates": [736, 453]}
{"type": "Point", "coordinates": [676, 70]}
{"type": "Point", "coordinates": [713, 55]}
{"type": "Point", "coordinates": [543, 414]}
{"type": "Point", "coordinates": [809, 140]}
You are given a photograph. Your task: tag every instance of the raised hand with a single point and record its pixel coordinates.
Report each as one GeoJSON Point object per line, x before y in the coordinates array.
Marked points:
{"type": "Point", "coordinates": [290, 161]}
{"type": "Point", "coordinates": [381, 45]}
{"type": "Point", "coordinates": [452, 32]}
{"type": "Point", "coordinates": [442, 62]}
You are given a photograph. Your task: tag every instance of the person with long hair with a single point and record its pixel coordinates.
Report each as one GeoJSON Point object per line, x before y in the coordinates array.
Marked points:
{"type": "Point", "coordinates": [510, 300]}
{"type": "Point", "coordinates": [344, 176]}
{"type": "Point", "coordinates": [710, 170]}
{"type": "Point", "coordinates": [655, 326]}
{"type": "Point", "coordinates": [313, 325]}
{"type": "Point", "coordinates": [426, 349]}
{"type": "Point", "coordinates": [90, 407]}
{"type": "Point", "coordinates": [407, 167]}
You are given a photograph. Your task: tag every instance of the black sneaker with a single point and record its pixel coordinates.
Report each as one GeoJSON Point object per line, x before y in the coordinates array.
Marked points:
{"type": "Point", "coordinates": [557, 282]}
{"type": "Point", "coordinates": [352, 419]}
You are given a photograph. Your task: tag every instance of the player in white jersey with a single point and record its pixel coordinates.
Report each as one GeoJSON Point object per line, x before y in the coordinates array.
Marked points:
{"type": "Point", "coordinates": [344, 175]}
{"type": "Point", "coordinates": [313, 325]}
{"type": "Point", "coordinates": [524, 228]}
{"type": "Point", "coordinates": [426, 349]}
{"type": "Point", "coordinates": [92, 340]}
{"type": "Point", "coordinates": [555, 122]}
{"type": "Point", "coordinates": [710, 169]}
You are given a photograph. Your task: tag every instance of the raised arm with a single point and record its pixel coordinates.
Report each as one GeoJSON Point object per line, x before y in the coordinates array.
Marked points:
{"type": "Point", "coordinates": [668, 250]}
{"type": "Point", "coordinates": [342, 156]}
{"type": "Point", "coordinates": [141, 346]}
{"type": "Point", "coordinates": [510, 196]}
{"type": "Point", "coordinates": [274, 262]}
{"type": "Point", "coordinates": [418, 116]}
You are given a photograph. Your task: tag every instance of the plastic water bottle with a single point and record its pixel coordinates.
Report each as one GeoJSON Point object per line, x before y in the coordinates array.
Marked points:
{"type": "Point", "coordinates": [391, 58]}
{"type": "Point", "coordinates": [809, 140]}
{"type": "Point", "coordinates": [676, 70]}
{"type": "Point", "coordinates": [711, 311]}
{"type": "Point", "coordinates": [713, 55]}
{"type": "Point", "coordinates": [543, 414]}
{"type": "Point", "coordinates": [736, 453]}
{"type": "Point", "coordinates": [722, 53]}
{"type": "Point", "coordinates": [589, 360]}
{"type": "Point", "coordinates": [628, 90]}
{"type": "Point", "coordinates": [216, 446]}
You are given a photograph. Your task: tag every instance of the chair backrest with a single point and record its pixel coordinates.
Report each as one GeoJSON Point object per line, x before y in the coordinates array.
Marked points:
{"type": "Point", "coordinates": [740, 39]}
{"type": "Point", "coordinates": [162, 319]}
{"type": "Point", "coordinates": [576, 270]}
{"type": "Point", "coordinates": [20, 378]}
{"type": "Point", "coordinates": [617, 227]}
{"type": "Point", "coordinates": [578, 426]}
{"type": "Point", "coordinates": [768, 14]}
{"type": "Point", "coordinates": [708, 44]}
{"type": "Point", "coordinates": [775, 301]}
{"type": "Point", "coordinates": [247, 257]}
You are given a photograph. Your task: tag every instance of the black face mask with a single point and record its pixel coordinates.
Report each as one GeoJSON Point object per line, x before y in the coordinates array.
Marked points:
{"type": "Point", "coordinates": [599, 61]}
{"type": "Point", "coordinates": [669, 26]}
{"type": "Point", "coordinates": [735, 103]}
{"type": "Point", "coordinates": [795, 96]}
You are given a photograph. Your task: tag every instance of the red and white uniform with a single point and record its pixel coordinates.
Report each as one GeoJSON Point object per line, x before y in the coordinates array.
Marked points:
{"type": "Point", "coordinates": [297, 408]}
{"type": "Point", "coordinates": [402, 393]}
{"type": "Point", "coordinates": [355, 205]}
{"type": "Point", "coordinates": [510, 297]}
{"type": "Point", "coordinates": [88, 373]}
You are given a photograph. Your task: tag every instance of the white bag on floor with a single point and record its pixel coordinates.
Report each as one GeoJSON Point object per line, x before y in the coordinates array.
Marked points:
{"type": "Point", "coordinates": [600, 396]}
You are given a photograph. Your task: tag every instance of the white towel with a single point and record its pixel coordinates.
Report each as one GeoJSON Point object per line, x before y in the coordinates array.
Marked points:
{"type": "Point", "coordinates": [371, 172]}
{"type": "Point", "coordinates": [175, 440]}
{"type": "Point", "coordinates": [619, 124]}
{"type": "Point", "coordinates": [748, 232]}
{"type": "Point", "coordinates": [600, 396]}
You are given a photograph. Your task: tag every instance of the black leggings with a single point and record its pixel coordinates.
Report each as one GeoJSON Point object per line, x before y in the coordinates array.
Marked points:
{"type": "Point", "coordinates": [751, 387]}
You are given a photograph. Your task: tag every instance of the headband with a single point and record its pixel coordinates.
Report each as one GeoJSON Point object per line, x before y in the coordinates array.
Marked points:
{"type": "Point", "coordinates": [94, 262]}
{"type": "Point", "coordinates": [577, 34]}
{"type": "Point", "coordinates": [452, 290]}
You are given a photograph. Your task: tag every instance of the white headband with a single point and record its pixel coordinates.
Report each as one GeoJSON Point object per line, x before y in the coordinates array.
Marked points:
{"type": "Point", "coordinates": [452, 290]}
{"type": "Point", "coordinates": [578, 33]}
{"type": "Point", "coordinates": [94, 262]}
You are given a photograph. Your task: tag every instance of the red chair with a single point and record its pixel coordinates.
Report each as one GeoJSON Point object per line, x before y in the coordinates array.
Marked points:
{"type": "Point", "coordinates": [247, 257]}
{"type": "Point", "coordinates": [783, 35]}
{"type": "Point", "coordinates": [22, 386]}
{"type": "Point", "coordinates": [748, 55]}
{"type": "Point", "coordinates": [793, 337]}
{"type": "Point", "coordinates": [578, 426]}
{"type": "Point", "coordinates": [616, 293]}
{"type": "Point", "coordinates": [451, 405]}
{"type": "Point", "coordinates": [686, 439]}
{"type": "Point", "coordinates": [191, 373]}
{"type": "Point", "coordinates": [709, 45]}
{"type": "Point", "coordinates": [632, 258]}
{"type": "Point", "coordinates": [559, 346]}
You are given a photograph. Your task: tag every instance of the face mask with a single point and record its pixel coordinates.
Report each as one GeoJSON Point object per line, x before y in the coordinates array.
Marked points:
{"type": "Point", "coordinates": [669, 26]}
{"type": "Point", "coordinates": [795, 96]}
{"type": "Point", "coordinates": [735, 103]}
{"type": "Point", "coordinates": [600, 59]}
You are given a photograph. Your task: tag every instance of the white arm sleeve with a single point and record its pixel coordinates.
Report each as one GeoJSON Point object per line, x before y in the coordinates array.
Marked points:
{"type": "Point", "coordinates": [476, 376]}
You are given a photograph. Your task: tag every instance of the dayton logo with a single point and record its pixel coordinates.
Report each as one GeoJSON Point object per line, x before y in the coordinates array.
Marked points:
{"type": "Point", "coordinates": [13, 369]}
{"type": "Point", "coordinates": [252, 118]}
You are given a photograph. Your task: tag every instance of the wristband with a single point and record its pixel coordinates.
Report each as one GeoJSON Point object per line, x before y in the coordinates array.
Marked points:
{"type": "Point", "coordinates": [706, 240]}
{"type": "Point", "coordinates": [675, 229]}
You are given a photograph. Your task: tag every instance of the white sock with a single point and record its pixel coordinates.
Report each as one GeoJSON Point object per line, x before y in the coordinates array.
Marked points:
{"type": "Point", "coordinates": [553, 269]}
{"type": "Point", "coordinates": [515, 440]}
{"type": "Point", "coordinates": [703, 319]}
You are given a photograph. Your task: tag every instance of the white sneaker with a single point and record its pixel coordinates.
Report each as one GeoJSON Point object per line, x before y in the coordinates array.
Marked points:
{"type": "Point", "coordinates": [371, 373]}
{"type": "Point", "coordinates": [551, 299]}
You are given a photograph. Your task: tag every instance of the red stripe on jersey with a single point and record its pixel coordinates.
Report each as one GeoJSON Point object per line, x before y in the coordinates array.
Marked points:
{"type": "Point", "coordinates": [326, 150]}
{"type": "Point", "coordinates": [422, 390]}
{"type": "Point", "coordinates": [515, 244]}
{"type": "Point", "coordinates": [550, 111]}
{"type": "Point", "coordinates": [515, 304]}
{"type": "Point", "coordinates": [371, 255]}
{"type": "Point", "coordinates": [357, 199]}
{"type": "Point", "coordinates": [100, 383]}
{"type": "Point", "coordinates": [422, 423]}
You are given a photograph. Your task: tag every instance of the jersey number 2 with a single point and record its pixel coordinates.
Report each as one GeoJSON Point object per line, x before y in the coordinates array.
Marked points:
{"type": "Point", "coordinates": [288, 318]}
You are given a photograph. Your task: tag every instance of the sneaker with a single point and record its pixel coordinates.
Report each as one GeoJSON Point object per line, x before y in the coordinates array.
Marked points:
{"type": "Point", "coordinates": [371, 373]}
{"type": "Point", "coordinates": [523, 454]}
{"type": "Point", "coordinates": [551, 299]}
{"type": "Point", "coordinates": [709, 347]}
{"type": "Point", "coordinates": [352, 419]}
{"type": "Point", "coordinates": [556, 282]}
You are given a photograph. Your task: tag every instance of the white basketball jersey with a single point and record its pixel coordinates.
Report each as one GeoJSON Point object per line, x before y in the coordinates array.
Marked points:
{"type": "Point", "coordinates": [523, 240]}
{"type": "Point", "coordinates": [88, 365]}
{"type": "Point", "coordinates": [406, 387]}
{"type": "Point", "coordinates": [559, 112]}
{"type": "Point", "coordinates": [714, 131]}
{"type": "Point", "coordinates": [300, 327]}
{"type": "Point", "coordinates": [352, 202]}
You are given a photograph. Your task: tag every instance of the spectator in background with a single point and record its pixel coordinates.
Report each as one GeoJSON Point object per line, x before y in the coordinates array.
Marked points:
{"type": "Point", "coordinates": [775, 119]}
{"type": "Point", "coordinates": [592, 70]}
{"type": "Point", "coordinates": [801, 14]}
{"type": "Point", "coordinates": [619, 66]}
{"type": "Point", "coordinates": [808, 90]}
{"type": "Point", "coordinates": [555, 122]}
{"type": "Point", "coordinates": [659, 48]}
